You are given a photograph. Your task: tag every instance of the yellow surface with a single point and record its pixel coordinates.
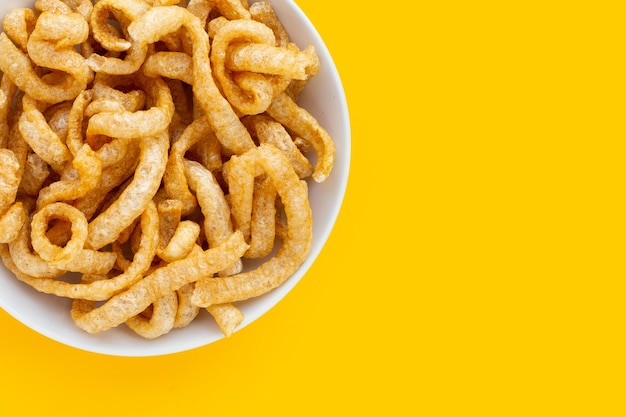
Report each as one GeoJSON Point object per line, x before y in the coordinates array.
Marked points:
{"type": "Point", "coordinates": [477, 266]}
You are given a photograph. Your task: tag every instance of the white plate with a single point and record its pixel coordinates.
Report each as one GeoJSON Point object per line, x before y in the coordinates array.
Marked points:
{"type": "Point", "coordinates": [325, 99]}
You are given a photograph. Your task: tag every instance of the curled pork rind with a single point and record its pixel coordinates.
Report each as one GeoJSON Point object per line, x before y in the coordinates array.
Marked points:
{"type": "Point", "coordinates": [156, 149]}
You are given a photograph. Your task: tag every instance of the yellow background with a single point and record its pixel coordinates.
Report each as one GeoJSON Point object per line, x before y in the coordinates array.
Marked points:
{"type": "Point", "coordinates": [477, 265]}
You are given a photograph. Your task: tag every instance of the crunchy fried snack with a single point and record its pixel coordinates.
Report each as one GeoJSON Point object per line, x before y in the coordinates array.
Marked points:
{"type": "Point", "coordinates": [294, 249]}
{"type": "Point", "coordinates": [187, 311]}
{"type": "Point", "coordinates": [161, 319]}
{"type": "Point", "coordinates": [97, 290]}
{"type": "Point", "coordinates": [155, 148]}
{"type": "Point", "coordinates": [18, 24]}
{"type": "Point", "coordinates": [159, 22]}
{"type": "Point", "coordinates": [7, 92]}
{"type": "Point", "coordinates": [11, 222]}
{"type": "Point", "coordinates": [41, 242]}
{"type": "Point", "coordinates": [176, 185]}
{"type": "Point", "coordinates": [162, 281]}
{"type": "Point", "coordinates": [249, 92]}
{"type": "Point", "coordinates": [263, 218]}
{"type": "Point", "coordinates": [52, 44]}
{"type": "Point", "coordinates": [9, 179]}
{"type": "Point", "coordinates": [214, 207]}
{"type": "Point", "coordinates": [110, 38]}
{"type": "Point", "coordinates": [227, 316]}
{"type": "Point", "coordinates": [267, 130]}
{"type": "Point", "coordinates": [182, 242]}
{"type": "Point", "coordinates": [76, 181]}
{"type": "Point", "coordinates": [295, 118]}
{"type": "Point", "coordinates": [105, 228]}
{"type": "Point", "coordinates": [35, 129]}
{"type": "Point", "coordinates": [50, 88]}
{"type": "Point", "coordinates": [127, 125]}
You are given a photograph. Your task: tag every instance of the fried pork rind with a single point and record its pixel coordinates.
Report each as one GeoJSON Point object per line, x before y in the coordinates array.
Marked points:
{"type": "Point", "coordinates": [36, 173]}
{"type": "Point", "coordinates": [217, 224]}
{"type": "Point", "coordinates": [28, 263]}
{"type": "Point", "coordinates": [182, 242]}
{"type": "Point", "coordinates": [162, 317]}
{"type": "Point", "coordinates": [47, 40]}
{"type": "Point", "coordinates": [42, 244]}
{"type": "Point", "coordinates": [294, 249]}
{"type": "Point", "coordinates": [263, 218]}
{"type": "Point", "coordinates": [170, 213]}
{"type": "Point", "coordinates": [176, 185]}
{"type": "Point", "coordinates": [124, 11]}
{"type": "Point", "coordinates": [76, 181]}
{"type": "Point", "coordinates": [53, 87]}
{"type": "Point", "coordinates": [248, 92]}
{"type": "Point", "coordinates": [11, 222]}
{"type": "Point", "coordinates": [263, 12]}
{"type": "Point", "coordinates": [74, 139]}
{"type": "Point", "coordinates": [53, 41]}
{"type": "Point", "coordinates": [119, 161]}
{"type": "Point", "coordinates": [159, 22]}
{"type": "Point", "coordinates": [232, 9]}
{"type": "Point", "coordinates": [174, 65]}
{"type": "Point", "coordinates": [270, 59]}
{"type": "Point", "coordinates": [7, 94]}
{"type": "Point", "coordinates": [142, 123]}
{"type": "Point", "coordinates": [108, 225]}
{"type": "Point", "coordinates": [9, 179]}
{"type": "Point", "coordinates": [110, 38]}
{"type": "Point", "coordinates": [162, 281]}
{"type": "Point", "coordinates": [154, 148]}
{"type": "Point", "coordinates": [267, 130]}
{"type": "Point", "coordinates": [227, 317]}
{"type": "Point", "coordinates": [108, 88]}
{"type": "Point", "coordinates": [100, 289]}
{"type": "Point", "coordinates": [299, 121]}
{"type": "Point", "coordinates": [187, 311]}
{"type": "Point", "coordinates": [42, 139]}
{"type": "Point", "coordinates": [18, 24]}
{"type": "Point", "coordinates": [12, 214]}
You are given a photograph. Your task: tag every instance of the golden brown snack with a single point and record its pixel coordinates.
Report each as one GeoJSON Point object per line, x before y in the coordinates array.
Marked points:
{"type": "Point", "coordinates": [302, 123]}
{"type": "Point", "coordinates": [294, 249]}
{"type": "Point", "coordinates": [158, 22]}
{"type": "Point", "coordinates": [107, 226]}
{"type": "Point", "coordinates": [154, 147]}
{"type": "Point", "coordinates": [164, 280]}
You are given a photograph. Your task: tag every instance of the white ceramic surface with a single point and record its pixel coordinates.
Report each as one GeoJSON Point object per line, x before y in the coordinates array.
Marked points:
{"type": "Point", "coordinates": [324, 98]}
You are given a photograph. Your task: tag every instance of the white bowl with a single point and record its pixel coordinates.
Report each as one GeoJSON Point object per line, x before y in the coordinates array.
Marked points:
{"type": "Point", "coordinates": [325, 99]}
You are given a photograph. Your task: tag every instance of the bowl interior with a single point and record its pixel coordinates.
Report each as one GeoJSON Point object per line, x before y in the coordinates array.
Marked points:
{"type": "Point", "coordinates": [324, 98]}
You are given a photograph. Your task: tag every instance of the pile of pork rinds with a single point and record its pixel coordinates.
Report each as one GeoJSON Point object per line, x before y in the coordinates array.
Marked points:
{"type": "Point", "coordinates": [149, 151]}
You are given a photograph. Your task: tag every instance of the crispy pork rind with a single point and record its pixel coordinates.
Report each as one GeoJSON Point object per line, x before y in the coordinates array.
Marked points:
{"type": "Point", "coordinates": [162, 281]}
{"type": "Point", "coordinates": [134, 124]}
{"type": "Point", "coordinates": [12, 214]}
{"type": "Point", "coordinates": [100, 289]}
{"type": "Point", "coordinates": [9, 179]}
{"type": "Point", "coordinates": [214, 206]}
{"type": "Point", "coordinates": [52, 44]}
{"type": "Point", "coordinates": [108, 225]}
{"type": "Point", "coordinates": [47, 40]}
{"type": "Point", "coordinates": [227, 317]}
{"type": "Point", "coordinates": [76, 181]}
{"type": "Point", "coordinates": [299, 121]}
{"type": "Point", "coordinates": [155, 148]}
{"type": "Point", "coordinates": [159, 22]}
{"type": "Point", "coordinates": [44, 141]}
{"type": "Point", "coordinates": [160, 318]}
{"type": "Point", "coordinates": [267, 130]}
{"type": "Point", "coordinates": [295, 247]}
{"type": "Point", "coordinates": [112, 37]}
